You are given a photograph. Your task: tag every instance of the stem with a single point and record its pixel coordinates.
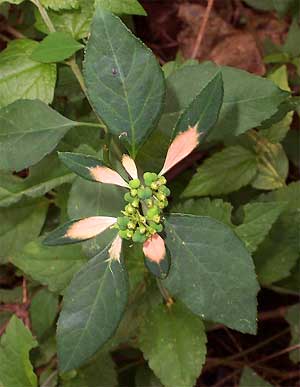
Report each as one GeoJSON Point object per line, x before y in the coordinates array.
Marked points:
{"type": "Point", "coordinates": [49, 379]}
{"type": "Point", "coordinates": [76, 70]}
{"type": "Point", "coordinates": [44, 15]}
{"type": "Point", "coordinates": [91, 124]}
{"type": "Point", "coordinates": [164, 293]}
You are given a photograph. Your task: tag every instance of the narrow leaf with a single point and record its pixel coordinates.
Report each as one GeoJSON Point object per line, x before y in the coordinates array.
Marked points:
{"type": "Point", "coordinates": [93, 306]}
{"type": "Point", "coordinates": [124, 80]}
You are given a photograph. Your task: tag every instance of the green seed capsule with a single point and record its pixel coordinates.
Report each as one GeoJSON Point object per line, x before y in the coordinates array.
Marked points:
{"type": "Point", "coordinates": [136, 203]}
{"type": "Point", "coordinates": [138, 237]}
{"type": "Point", "coordinates": [154, 186]}
{"type": "Point", "coordinates": [135, 183]}
{"type": "Point", "coordinates": [160, 196]}
{"type": "Point", "coordinates": [156, 227]}
{"type": "Point", "coordinates": [129, 209]}
{"type": "Point", "coordinates": [162, 180]}
{"type": "Point", "coordinates": [122, 222]}
{"type": "Point", "coordinates": [142, 229]}
{"type": "Point", "coordinates": [144, 193]}
{"type": "Point", "coordinates": [152, 212]}
{"type": "Point", "coordinates": [149, 178]}
{"type": "Point", "coordinates": [128, 197]}
{"type": "Point", "coordinates": [165, 190]}
{"type": "Point", "coordinates": [133, 192]}
{"type": "Point", "coordinates": [131, 226]}
{"type": "Point", "coordinates": [156, 218]}
{"type": "Point", "coordinates": [123, 234]}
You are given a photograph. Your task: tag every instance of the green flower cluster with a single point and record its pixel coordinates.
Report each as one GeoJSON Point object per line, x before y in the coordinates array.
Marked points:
{"type": "Point", "coordinates": [143, 213]}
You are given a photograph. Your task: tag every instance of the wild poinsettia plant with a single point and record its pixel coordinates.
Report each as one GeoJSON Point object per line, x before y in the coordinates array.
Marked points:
{"type": "Point", "coordinates": [160, 173]}
{"type": "Point", "coordinates": [142, 218]}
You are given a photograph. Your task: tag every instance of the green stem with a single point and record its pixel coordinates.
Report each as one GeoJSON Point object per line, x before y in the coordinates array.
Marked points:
{"type": "Point", "coordinates": [91, 124]}
{"type": "Point", "coordinates": [44, 15]}
{"type": "Point", "coordinates": [76, 70]}
{"type": "Point", "coordinates": [164, 293]}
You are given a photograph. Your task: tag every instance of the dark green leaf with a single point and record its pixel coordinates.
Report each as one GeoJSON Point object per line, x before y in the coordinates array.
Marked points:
{"type": "Point", "coordinates": [131, 7]}
{"type": "Point", "coordinates": [29, 131]}
{"type": "Point", "coordinates": [13, 188]}
{"type": "Point", "coordinates": [214, 208]}
{"type": "Point", "coordinates": [258, 220]}
{"type": "Point", "coordinates": [93, 306]}
{"type": "Point", "coordinates": [23, 223]}
{"type": "Point", "coordinates": [55, 48]}
{"type": "Point", "coordinates": [15, 367]}
{"type": "Point", "coordinates": [173, 340]}
{"type": "Point", "coordinates": [21, 77]}
{"type": "Point", "coordinates": [43, 310]}
{"type": "Point", "coordinates": [204, 110]}
{"type": "Point", "coordinates": [223, 172]}
{"type": "Point", "coordinates": [211, 271]}
{"type": "Point", "coordinates": [124, 80]}
{"type": "Point", "coordinates": [51, 266]}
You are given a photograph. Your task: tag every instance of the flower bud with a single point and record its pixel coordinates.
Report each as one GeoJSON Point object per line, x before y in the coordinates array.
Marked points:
{"type": "Point", "coordinates": [154, 186]}
{"type": "Point", "coordinates": [129, 234]}
{"type": "Point", "coordinates": [160, 196]}
{"type": "Point", "coordinates": [144, 193]}
{"type": "Point", "coordinates": [131, 226]}
{"type": "Point", "coordinates": [142, 229]}
{"type": "Point", "coordinates": [156, 218]}
{"type": "Point", "coordinates": [135, 203]}
{"type": "Point", "coordinates": [133, 192]}
{"type": "Point", "coordinates": [135, 183]}
{"type": "Point", "coordinates": [122, 222]}
{"type": "Point", "coordinates": [129, 209]}
{"type": "Point", "coordinates": [149, 203]}
{"type": "Point", "coordinates": [149, 178]}
{"type": "Point", "coordinates": [162, 180]}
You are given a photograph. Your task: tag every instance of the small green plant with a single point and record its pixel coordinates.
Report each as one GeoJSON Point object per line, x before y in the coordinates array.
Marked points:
{"type": "Point", "coordinates": [90, 194]}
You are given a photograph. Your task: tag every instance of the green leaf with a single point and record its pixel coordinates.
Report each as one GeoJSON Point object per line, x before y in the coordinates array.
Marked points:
{"type": "Point", "coordinates": [100, 371]}
{"type": "Point", "coordinates": [258, 220]}
{"type": "Point", "coordinates": [75, 22]}
{"type": "Point", "coordinates": [124, 80]}
{"type": "Point", "coordinates": [131, 7]}
{"type": "Point", "coordinates": [224, 172]}
{"type": "Point", "coordinates": [211, 271]}
{"type": "Point", "coordinates": [43, 310]}
{"type": "Point", "coordinates": [92, 199]}
{"type": "Point", "coordinates": [11, 1]}
{"type": "Point", "coordinates": [23, 78]}
{"type": "Point", "coordinates": [173, 340]}
{"type": "Point", "coordinates": [293, 318]}
{"type": "Point", "coordinates": [93, 306]}
{"type": "Point", "coordinates": [55, 48]}
{"type": "Point", "coordinates": [15, 367]}
{"type": "Point", "coordinates": [214, 208]}
{"type": "Point", "coordinates": [60, 4]}
{"type": "Point", "coordinates": [204, 109]}
{"type": "Point", "coordinates": [51, 266]}
{"type": "Point", "coordinates": [13, 188]}
{"type": "Point", "coordinates": [23, 222]}
{"type": "Point", "coordinates": [29, 131]}
{"type": "Point", "coordinates": [291, 146]}
{"type": "Point", "coordinates": [291, 45]}
{"type": "Point", "coordinates": [250, 378]}
{"type": "Point", "coordinates": [273, 166]}
{"type": "Point", "coordinates": [278, 253]}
